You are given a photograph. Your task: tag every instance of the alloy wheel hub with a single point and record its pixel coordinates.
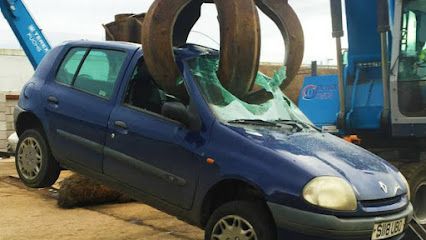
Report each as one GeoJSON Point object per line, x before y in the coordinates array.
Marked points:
{"type": "Point", "coordinates": [233, 228]}
{"type": "Point", "coordinates": [29, 158]}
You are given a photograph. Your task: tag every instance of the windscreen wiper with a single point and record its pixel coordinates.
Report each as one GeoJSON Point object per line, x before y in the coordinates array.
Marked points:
{"type": "Point", "coordinates": [299, 123]}
{"type": "Point", "coordinates": [255, 122]}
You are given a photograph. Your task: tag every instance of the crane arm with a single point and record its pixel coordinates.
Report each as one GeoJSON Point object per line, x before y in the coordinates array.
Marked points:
{"type": "Point", "coordinates": [26, 30]}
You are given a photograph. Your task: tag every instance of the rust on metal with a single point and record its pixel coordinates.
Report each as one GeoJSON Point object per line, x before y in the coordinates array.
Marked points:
{"type": "Point", "coordinates": [157, 38]}
{"type": "Point", "coordinates": [291, 29]}
{"type": "Point", "coordinates": [168, 24]}
{"type": "Point", "coordinates": [126, 27]}
{"type": "Point", "coordinates": [239, 45]}
{"type": "Point", "coordinates": [186, 21]}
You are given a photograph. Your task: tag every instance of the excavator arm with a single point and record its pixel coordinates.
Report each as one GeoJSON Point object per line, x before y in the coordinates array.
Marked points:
{"type": "Point", "coordinates": [26, 30]}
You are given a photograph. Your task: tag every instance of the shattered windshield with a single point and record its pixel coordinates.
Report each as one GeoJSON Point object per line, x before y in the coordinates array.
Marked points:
{"type": "Point", "coordinates": [229, 108]}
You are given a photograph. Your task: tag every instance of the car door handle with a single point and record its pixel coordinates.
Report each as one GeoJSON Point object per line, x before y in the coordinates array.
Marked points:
{"type": "Point", "coordinates": [53, 100]}
{"type": "Point", "coordinates": [120, 124]}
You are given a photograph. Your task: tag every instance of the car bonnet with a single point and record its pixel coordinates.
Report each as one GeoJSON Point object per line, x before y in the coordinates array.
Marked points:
{"type": "Point", "coordinates": [322, 154]}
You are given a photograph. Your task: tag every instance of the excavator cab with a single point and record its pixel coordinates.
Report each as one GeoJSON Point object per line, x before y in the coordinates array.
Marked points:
{"type": "Point", "coordinates": [408, 67]}
{"type": "Point", "coordinates": [376, 94]}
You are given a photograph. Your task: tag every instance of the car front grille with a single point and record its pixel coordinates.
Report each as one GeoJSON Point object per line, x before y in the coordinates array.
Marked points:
{"type": "Point", "coordinates": [382, 202]}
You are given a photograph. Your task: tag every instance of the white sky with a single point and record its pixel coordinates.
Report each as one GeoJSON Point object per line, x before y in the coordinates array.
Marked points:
{"type": "Point", "coordinates": [81, 19]}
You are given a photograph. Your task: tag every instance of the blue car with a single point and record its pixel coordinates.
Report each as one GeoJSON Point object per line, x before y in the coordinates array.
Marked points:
{"type": "Point", "coordinates": [237, 169]}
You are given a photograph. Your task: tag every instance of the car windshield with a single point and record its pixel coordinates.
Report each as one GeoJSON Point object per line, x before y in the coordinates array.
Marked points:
{"type": "Point", "coordinates": [228, 108]}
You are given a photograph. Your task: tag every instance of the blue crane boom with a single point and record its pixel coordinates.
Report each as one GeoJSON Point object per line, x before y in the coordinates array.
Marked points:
{"type": "Point", "coordinates": [26, 30]}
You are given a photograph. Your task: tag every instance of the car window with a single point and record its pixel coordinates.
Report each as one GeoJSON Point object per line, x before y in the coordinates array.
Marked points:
{"type": "Point", "coordinates": [142, 92]}
{"type": "Point", "coordinates": [70, 65]}
{"type": "Point", "coordinates": [99, 72]}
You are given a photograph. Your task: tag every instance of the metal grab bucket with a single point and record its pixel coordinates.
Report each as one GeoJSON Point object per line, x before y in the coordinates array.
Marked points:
{"type": "Point", "coordinates": [168, 24]}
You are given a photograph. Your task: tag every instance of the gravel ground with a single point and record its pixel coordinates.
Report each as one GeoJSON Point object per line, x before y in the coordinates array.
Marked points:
{"type": "Point", "coordinates": [33, 214]}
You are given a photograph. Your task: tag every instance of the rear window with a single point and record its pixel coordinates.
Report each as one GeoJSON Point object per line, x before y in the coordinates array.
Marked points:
{"type": "Point", "coordinates": [97, 74]}
{"type": "Point", "coordinates": [70, 65]}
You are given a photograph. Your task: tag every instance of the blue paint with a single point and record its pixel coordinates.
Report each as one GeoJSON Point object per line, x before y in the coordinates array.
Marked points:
{"type": "Point", "coordinates": [362, 76]}
{"type": "Point", "coordinates": [320, 90]}
{"type": "Point", "coordinates": [365, 105]}
{"type": "Point", "coordinates": [275, 161]}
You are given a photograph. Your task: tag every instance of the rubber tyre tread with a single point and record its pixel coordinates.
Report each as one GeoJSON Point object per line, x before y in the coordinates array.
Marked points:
{"type": "Point", "coordinates": [415, 173]}
{"type": "Point", "coordinates": [50, 168]}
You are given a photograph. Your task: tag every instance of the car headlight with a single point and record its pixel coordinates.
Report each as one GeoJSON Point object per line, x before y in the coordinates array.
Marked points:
{"type": "Point", "coordinates": [406, 185]}
{"type": "Point", "coordinates": [331, 193]}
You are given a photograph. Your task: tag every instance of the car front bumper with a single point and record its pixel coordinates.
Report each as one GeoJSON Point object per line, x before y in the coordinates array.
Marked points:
{"type": "Point", "coordinates": [331, 227]}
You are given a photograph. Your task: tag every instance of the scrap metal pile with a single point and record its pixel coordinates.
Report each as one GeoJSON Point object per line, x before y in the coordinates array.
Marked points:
{"type": "Point", "coordinates": [169, 23]}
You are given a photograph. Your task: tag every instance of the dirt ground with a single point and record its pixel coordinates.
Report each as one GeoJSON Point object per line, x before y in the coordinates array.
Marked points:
{"type": "Point", "coordinates": [33, 214]}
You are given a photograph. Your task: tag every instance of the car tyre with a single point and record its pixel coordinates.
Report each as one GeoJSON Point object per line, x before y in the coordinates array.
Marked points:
{"type": "Point", "coordinates": [416, 177]}
{"type": "Point", "coordinates": [34, 161]}
{"type": "Point", "coordinates": [251, 217]}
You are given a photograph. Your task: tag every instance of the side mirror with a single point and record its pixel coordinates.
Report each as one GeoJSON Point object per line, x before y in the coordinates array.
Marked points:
{"type": "Point", "coordinates": [178, 112]}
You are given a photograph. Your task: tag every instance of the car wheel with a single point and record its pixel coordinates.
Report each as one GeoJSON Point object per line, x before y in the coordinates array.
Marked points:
{"type": "Point", "coordinates": [416, 177]}
{"type": "Point", "coordinates": [241, 220]}
{"type": "Point", "coordinates": [34, 162]}
{"type": "Point", "coordinates": [418, 195]}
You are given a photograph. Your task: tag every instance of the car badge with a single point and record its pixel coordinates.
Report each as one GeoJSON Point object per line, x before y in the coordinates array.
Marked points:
{"type": "Point", "coordinates": [383, 187]}
{"type": "Point", "coordinates": [397, 188]}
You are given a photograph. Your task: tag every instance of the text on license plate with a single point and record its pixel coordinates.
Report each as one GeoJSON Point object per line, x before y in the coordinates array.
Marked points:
{"type": "Point", "coordinates": [388, 229]}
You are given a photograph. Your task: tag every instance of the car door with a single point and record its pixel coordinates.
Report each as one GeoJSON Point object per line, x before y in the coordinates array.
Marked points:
{"type": "Point", "coordinates": [150, 152]}
{"type": "Point", "coordinates": [79, 101]}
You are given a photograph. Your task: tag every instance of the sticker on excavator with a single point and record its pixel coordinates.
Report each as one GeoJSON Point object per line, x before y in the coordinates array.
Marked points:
{"type": "Point", "coordinates": [321, 90]}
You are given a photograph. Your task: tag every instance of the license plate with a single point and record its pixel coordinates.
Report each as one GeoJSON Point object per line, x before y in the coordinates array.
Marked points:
{"type": "Point", "coordinates": [388, 229]}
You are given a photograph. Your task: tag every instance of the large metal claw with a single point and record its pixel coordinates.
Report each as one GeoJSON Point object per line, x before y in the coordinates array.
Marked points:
{"type": "Point", "coordinates": [240, 41]}
{"type": "Point", "coordinates": [168, 23]}
{"type": "Point", "coordinates": [289, 24]}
